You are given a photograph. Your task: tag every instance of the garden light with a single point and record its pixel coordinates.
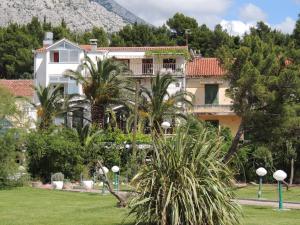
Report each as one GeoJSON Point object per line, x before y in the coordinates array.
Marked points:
{"type": "Point", "coordinates": [280, 175]}
{"type": "Point", "coordinates": [116, 170]}
{"type": "Point", "coordinates": [260, 172]}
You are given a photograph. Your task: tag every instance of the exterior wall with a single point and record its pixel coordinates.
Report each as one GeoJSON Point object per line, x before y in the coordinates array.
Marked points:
{"type": "Point", "coordinates": [197, 87]}
{"type": "Point", "coordinates": [232, 121]}
{"type": "Point", "coordinates": [221, 111]}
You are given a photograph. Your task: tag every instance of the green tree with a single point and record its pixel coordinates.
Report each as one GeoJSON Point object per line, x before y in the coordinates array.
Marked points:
{"type": "Point", "coordinates": [161, 105]}
{"type": "Point", "coordinates": [104, 85]}
{"type": "Point", "coordinates": [51, 104]}
{"type": "Point", "coordinates": [296, 32]}
{"type": "Point", "coordinates": [185, 182]}
{"type": "Point", "coordinates": [264, 83]}
{"type": "Point", "coordinates": [182, 24]}
{"type": "Point", "coordinates": [7, 103]}
{"type": "Point", "coordinates": [52, 152]}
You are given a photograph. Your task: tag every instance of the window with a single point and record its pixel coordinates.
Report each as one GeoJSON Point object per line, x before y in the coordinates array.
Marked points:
{"type": "Point", "coordinates": [169, 64]}
{"type": "Point", "coordinates": [64, 56]}
{"type": "Point", "coordinates": [147, 65]}
{"type": "Point", "coordinates": [211, 94]}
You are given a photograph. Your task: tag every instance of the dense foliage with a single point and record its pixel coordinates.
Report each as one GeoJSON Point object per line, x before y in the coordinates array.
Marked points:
{"type": "Point", "coordinates": [264, 83]}
{"type": "Point", "coordinates": [185, 182]}
{"type": "Point", "coordinates": [58, 151]}
{"type": "Point", "coordinates": [10, 153]}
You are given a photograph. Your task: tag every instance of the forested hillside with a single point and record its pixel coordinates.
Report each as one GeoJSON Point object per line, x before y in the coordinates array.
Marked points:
{"type": "Point", "coordinates": [18, 41]}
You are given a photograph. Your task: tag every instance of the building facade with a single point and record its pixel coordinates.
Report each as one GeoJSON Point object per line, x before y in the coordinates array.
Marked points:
{"type": "Point", "coordinates": [205, 79]}
{"type": "Point", "coordinates": [201, 76]}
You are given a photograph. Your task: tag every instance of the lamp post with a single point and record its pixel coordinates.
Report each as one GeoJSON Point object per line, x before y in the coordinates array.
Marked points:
{"type": "Point", "coordinates": [260, 172]}
{"type": "Point", "coordinates": [102, 172]}
{"type": "Point", "coordinates": [166, 125]}
{"type": "Point", "coordinates": [280, 175]}
{"type": "Point", "coordinates": [116, 170]}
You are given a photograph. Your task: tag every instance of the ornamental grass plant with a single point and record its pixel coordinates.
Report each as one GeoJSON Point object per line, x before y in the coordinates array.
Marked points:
{"type": "Point", "coordinates": [185, 183]}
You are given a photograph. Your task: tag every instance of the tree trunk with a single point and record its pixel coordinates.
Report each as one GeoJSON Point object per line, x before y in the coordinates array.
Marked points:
{"type": "Point", "coordinates": [121, 198]}
{"type": "Point", "coordinates": [234, 145]}
{"type": "Point", "coordinates": [98, 115]}
{"type": "Point", "coordinates": [292, 171]}
{"type": "Point", "coordinates": [134, 131]}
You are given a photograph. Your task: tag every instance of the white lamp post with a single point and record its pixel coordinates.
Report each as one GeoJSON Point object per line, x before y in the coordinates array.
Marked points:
{"type": "Point", "coordinates": [116, 170]}
{"type": "Point", "coordinates": [166, 125]}
{"type": "Point", "coordinates": [280, 175]}
{"type": "Point", "coordinates": [260, 172]}
{"type": "Point", "coordinates": [102, 171]}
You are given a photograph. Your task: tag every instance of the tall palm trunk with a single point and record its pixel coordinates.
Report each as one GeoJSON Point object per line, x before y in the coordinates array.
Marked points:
{"type": "Point", "coordinates": [98, 115]}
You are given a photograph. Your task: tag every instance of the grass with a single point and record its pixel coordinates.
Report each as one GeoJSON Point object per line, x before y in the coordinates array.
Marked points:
{"type": "Point", "coordinates": [255, 215]}
{"type": "Point", "coordinates": [29, 206]}
{"type": "Point", "coordinates": [269, 192]}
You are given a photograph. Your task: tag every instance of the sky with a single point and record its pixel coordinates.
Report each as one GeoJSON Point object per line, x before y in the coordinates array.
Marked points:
{"type": "Point", "coordinates": [237, 16]}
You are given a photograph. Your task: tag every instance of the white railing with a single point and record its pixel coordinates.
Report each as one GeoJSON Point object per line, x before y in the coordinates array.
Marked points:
{"type": "Point", "coordinates": [213, 108]}
{"type": "Point", "coordinates": [148, 69]}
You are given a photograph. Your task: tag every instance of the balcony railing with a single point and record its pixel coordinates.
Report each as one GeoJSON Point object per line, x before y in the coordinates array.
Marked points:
{"type": "Point", "coordinates": [213, 109]}
{"type": "Point", "coordinates": [149, 69]}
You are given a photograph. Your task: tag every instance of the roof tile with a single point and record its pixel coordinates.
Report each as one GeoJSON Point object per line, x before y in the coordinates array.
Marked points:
{"type": "Point", "coordinates": [200, 67]}
{"type": "Point", "coordinates": [22, 88]}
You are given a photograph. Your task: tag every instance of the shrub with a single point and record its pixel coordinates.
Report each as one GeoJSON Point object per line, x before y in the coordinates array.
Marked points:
{"type": "Point", "coordinates": [58, 177]}
{"type": "Point", "coordinates": [185, 183]}
{"type": "Point", "coordinates": [10, 143]}
{"type": "Point", "coordinates": [49, 153]}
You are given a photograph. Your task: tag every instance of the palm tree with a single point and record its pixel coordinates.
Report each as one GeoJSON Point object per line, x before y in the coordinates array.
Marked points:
{"type": "Point", "coordinates": [185, 182]}
{"type": "Point", "coordinates": [160, 104]}
{"type": "Point", "coordinates": [103, 86]}
{"type": "Point", "coordinates": [51, 104]}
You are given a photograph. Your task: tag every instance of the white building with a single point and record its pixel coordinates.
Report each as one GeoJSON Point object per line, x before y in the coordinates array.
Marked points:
{"type": "Point", "coordinates": [51, 62]}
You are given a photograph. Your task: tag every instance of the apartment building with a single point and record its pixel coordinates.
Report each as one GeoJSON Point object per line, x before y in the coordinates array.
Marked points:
{"type": "Point", "coordinates": [205, 79]}
{"type": "Point", "coordinates": [202, 76]}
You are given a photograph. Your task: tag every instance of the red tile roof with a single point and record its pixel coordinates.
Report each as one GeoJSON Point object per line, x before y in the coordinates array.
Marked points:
{"type": "Point", "coordinates": [22, 88]}
{"type": "Point", "coordinates": [142, 49]}
{"type": "Point", "coordinates": [204, 67]}
{"type": "Point", "coordinates": [125, 49]}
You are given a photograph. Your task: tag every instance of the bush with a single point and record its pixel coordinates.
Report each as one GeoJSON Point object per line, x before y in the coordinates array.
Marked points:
{"type": "Point", "coordinates": [186, 182]}
{"type": "Point", "coordinates": [58, 177]}
{"type": "Point", "coordinates": [52, 152]}
{"type": "Point", "coordinates": [10, 143]}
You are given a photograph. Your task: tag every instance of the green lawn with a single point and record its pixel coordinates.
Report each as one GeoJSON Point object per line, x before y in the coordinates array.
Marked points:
{"type": "Point", "coordinates": [269, 192]}
{"type": "Point", "coordinates": [29, 206]}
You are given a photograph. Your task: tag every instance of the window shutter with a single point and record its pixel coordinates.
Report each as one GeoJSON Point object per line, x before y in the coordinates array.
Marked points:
{"type": "Point", "coordinates": [211, 94]}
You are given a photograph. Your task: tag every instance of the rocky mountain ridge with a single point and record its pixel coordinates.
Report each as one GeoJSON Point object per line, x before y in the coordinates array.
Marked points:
{"type": "Point", "coordinates": [79, 15]}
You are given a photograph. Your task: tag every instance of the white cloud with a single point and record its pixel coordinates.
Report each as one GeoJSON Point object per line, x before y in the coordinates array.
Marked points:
{"type": "Point", "coordinates": [297, 1]}
{"type": "Point", "coordinates": [158, 11]}
{"type": "Point", "coordinates": [287, 26]}
{"type": "Point", "coordinates": [251, 12]}
{"type": "Point", "coordinates": [237, 27]}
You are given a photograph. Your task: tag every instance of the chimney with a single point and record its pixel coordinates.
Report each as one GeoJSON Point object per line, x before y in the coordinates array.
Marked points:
{"type": "Point", "coordinates": [48, 39]}
{"type": "Point", "coordinates": [93, 43]}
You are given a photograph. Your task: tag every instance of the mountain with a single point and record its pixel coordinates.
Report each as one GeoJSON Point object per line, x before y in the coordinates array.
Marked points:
{"type": "Point", "coordinates": [116, 8]}
{"type": "Point", "coordinates": [79, 15]}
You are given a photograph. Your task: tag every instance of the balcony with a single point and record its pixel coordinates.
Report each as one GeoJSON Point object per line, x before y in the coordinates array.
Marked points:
{"type": "Point", "coordinates": [211, 109]}
{"type": "Point", "coordinates": [150, 69]}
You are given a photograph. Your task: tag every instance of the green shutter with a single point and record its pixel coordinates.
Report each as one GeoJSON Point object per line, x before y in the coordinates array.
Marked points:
{"type": "Point", "coordinates": [211, 94]}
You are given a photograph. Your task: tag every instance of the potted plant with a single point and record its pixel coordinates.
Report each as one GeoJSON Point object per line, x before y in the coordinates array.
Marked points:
{"type": "Point", "coordinates": [57, 181]}
{"type": "Point", "coordinates": [86, 180]}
